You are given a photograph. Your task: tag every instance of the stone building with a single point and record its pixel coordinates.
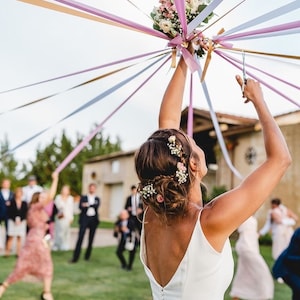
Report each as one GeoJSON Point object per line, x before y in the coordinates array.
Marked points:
{"type": "Point", "coordinates": [115, 173]}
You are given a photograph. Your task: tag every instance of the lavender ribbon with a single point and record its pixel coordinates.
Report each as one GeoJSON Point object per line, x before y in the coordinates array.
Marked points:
{"type": "Point", "coordinates": [85, 70]}
{"type": "Point", "coordinates": [217, 129]}
{"type": "Point", "coordinates": [263, 18]}
{"type": "Point", "coordinates": [88, 138]}
{"type": "Point", "coordinates": [89, 103]}
{"type": "Point", "coordinates": [260, 80]}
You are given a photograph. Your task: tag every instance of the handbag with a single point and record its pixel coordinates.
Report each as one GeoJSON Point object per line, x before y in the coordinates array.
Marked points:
{"type": "Point", "coordinates": [130, 243]}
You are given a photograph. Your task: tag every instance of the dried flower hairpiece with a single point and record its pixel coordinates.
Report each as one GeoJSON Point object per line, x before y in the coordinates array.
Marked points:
{"type": "Point", "coordinates": [174, 148]}
{"type": "Point", "coordinates": [181, 173]}
{"type": "Point", "coordinates": [148, 191]}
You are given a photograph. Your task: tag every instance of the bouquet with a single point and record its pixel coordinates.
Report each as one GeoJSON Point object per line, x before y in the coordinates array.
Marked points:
{"type": "Point", "coordinates": [166, 18]}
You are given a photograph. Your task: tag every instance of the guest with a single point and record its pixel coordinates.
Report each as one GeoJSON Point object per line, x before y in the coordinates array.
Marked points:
{"type": "Point", "coordinates": [35, 256]}
{"type": "Point", "coordinates": [184, 246]}
{"type": "Point", "coordinates": [6, 195]}
{"type": "Point", "coordinates": [64, 203]}
{"type": "Point", "coordinates": [17, 212]}
{"type": "Point", "coordinates": [287, 265]}
{"type": "Point", "coordinates": [88, 219]}
{"type": "Point", "coordinates": [135, 208]}
{"type": "Point", "coordinates": [280, 220]}
{"type": "Point", "coordinates": [51, 211]}
{"type": "Point", "coordinates": [246, 284]}
{"type": "Point", "coordinates": [126, 233]}
{"type": "Point", "coordinates": [31, 188]}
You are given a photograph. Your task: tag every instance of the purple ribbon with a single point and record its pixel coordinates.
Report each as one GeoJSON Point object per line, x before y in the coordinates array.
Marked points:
{"type": "Point", "coordinates": [190, 121]}
{"type": "Point", "coordinates": [85, 70]}
{"type": "Point", "coordinates": [88, 138]}
{"type": "Point", "coordinates": [288, 28]}
{"type": "Point", "coordinates": [258, 79]}
{"type": "Point", "coordinates": [114, 18]}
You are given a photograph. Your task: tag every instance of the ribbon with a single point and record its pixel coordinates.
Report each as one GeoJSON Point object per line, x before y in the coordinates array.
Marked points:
{"type": "Point", "coordinates": [88, 138]}
{"type": "Point", "coordinates": [264, 18]}
{"type": "Point", "coordinates": [102, 17]}
{"type": "Point", "coordinates": [263, 53]}
{"type": "Point", "coordinates": [114, 18]}
{"type": "Point", "coordinates": [287, 28]}
{"type": "Point", "coordinates": [202, 16]}
{"type": "Point", "coordinates": [91, 102]}
{"type": "Point", "coordinates": [264, 72]}
{"type": "Point", "coordinates": [180, 7]}
{"type": "Point", "coordinates": [207, 61]}
{"type": "Point", "coordinates": [180, 41]}
{"type": "Point", "coordinates": [85, 70]}
{"type": "Point", "coordinates": [190, 120]}
{"type": "Point", "coordinates": [69, 89]}
{"type": "Point", "coordinates": [218, 130]}
{"type": "Point", "coordinates": [260, 80]}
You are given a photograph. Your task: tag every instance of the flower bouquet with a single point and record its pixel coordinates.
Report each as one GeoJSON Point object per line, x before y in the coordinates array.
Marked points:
{"type": "Point", "coordinates": [166, 18]}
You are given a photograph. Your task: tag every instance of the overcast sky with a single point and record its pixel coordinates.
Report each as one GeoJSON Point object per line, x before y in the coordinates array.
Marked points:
{"type": "Point", "coordinates": [38, 44]}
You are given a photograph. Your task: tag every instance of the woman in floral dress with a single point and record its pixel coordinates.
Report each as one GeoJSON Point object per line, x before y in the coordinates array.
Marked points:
{"type": "Point", "coordinates": [35, 257]}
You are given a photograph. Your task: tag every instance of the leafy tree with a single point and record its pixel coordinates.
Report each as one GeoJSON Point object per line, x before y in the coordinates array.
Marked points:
{"type": "Point", "coordinates": [9, 167]}
{"type": "Point", "coordinates": [49, 157]}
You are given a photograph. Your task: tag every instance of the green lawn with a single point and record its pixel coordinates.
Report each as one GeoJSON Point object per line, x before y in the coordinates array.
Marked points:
{"type": "Point", "coordinates": [101, 278]}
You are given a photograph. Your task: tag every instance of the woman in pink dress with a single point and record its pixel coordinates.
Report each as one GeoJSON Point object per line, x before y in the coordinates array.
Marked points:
{"type": "Point", "coordinates": [35, 257]}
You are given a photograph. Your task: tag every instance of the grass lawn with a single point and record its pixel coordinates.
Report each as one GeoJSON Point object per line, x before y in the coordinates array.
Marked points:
{"type": "Point", "coordinates": [100, 278]}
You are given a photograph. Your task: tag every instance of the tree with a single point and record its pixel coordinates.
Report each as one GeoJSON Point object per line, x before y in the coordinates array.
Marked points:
{"type": "Point", "coordinates": [49, 157]}
{"type": "Point", "coordinates": [9, 167]}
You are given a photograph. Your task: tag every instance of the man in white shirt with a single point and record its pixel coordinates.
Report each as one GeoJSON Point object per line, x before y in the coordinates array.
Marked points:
{"type": "Point", "coordinates": [31, 188]}
{"type": "Point", "coordinates": [135, 208]}
{"type": "Point", "coordinates": [88, 219]}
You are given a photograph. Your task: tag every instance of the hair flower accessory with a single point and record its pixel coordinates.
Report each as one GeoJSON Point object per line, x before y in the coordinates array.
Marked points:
{"type": "Point", "coordinates": [181, 173]}
{"type": "Point", "coordinates": [174, 148]}
{"type": "Point", "coordinates": [148, 191]}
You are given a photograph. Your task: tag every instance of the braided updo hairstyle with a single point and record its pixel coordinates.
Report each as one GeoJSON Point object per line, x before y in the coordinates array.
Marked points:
{"type": "Point", "coordinates": [156, 166]}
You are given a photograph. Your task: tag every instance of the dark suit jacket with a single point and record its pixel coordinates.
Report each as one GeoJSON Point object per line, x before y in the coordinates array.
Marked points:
{"type": "Point", "coordinates": [13, 211]}
{"type": "Point", "coordinates": [83, 216]}
{"type": "Point", "coordinates": [129, 204]}
{"type": "Point", "coordinates": [288, 262]}
{"type": "Point", "coordinates": [3, 207]}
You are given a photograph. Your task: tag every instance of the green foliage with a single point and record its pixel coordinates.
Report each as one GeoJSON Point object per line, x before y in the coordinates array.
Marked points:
{"type": "Point", "coordinates": [102, 278]}
{"type": "Point", "coordinates": [9, 167]}
{"type": "Point", "coordinates": [216, 191]}
{"type": "Point", "coordinates": [265, 240]}
{"type": "Point", "coordinates": [49, 157]}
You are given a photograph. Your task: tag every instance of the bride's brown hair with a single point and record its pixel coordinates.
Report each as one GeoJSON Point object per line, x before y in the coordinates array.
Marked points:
{"type": "Point", "coordinates": [156, 167]}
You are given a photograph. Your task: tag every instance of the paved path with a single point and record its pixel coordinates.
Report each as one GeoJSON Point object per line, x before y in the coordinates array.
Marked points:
{"type": "Point", "coordinates": [103, 238]}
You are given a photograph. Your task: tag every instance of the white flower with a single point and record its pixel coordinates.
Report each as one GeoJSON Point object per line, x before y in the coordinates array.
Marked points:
{"type": "Point", "coordinates": [165, 25]}
{"type": "Point", "coordinates": [193, 5]}
{"type": "Point", "coordinates": [148, 191]}
{"type": "Point", "coordinates": [172, 139]}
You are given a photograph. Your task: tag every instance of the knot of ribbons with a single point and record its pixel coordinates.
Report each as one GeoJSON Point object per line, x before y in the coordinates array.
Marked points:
{"type": "Point", "coordinates": [190, 34]}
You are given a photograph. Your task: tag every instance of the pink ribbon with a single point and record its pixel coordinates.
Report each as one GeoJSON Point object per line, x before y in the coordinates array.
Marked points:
{"type": "Point", "coordinates": [258, 79]}
{"type": "Point", "coordinates": [190, 121]}
{"type": "Point", "coordinates": [278, 29]}
{"type": "Point", "coordinates": [114, 18]}
{"type": "Point", "coordinates": [180, 7]}
{"type": "Point", "coordinates": [88, 138]}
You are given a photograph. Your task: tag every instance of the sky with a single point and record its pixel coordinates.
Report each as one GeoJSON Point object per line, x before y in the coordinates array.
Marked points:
{"type": "Point", "coordinates": [38, 44]}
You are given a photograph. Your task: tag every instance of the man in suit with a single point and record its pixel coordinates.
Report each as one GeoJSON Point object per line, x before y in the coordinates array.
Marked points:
{"type": "Point", "coordinates": [287, 265]}
{"type": "Point", "coordinates": [135, 208]}
{"type": "Point", "coordinates": [6, 195]}
{"type": "Point", "coordinates": [88, 219]}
